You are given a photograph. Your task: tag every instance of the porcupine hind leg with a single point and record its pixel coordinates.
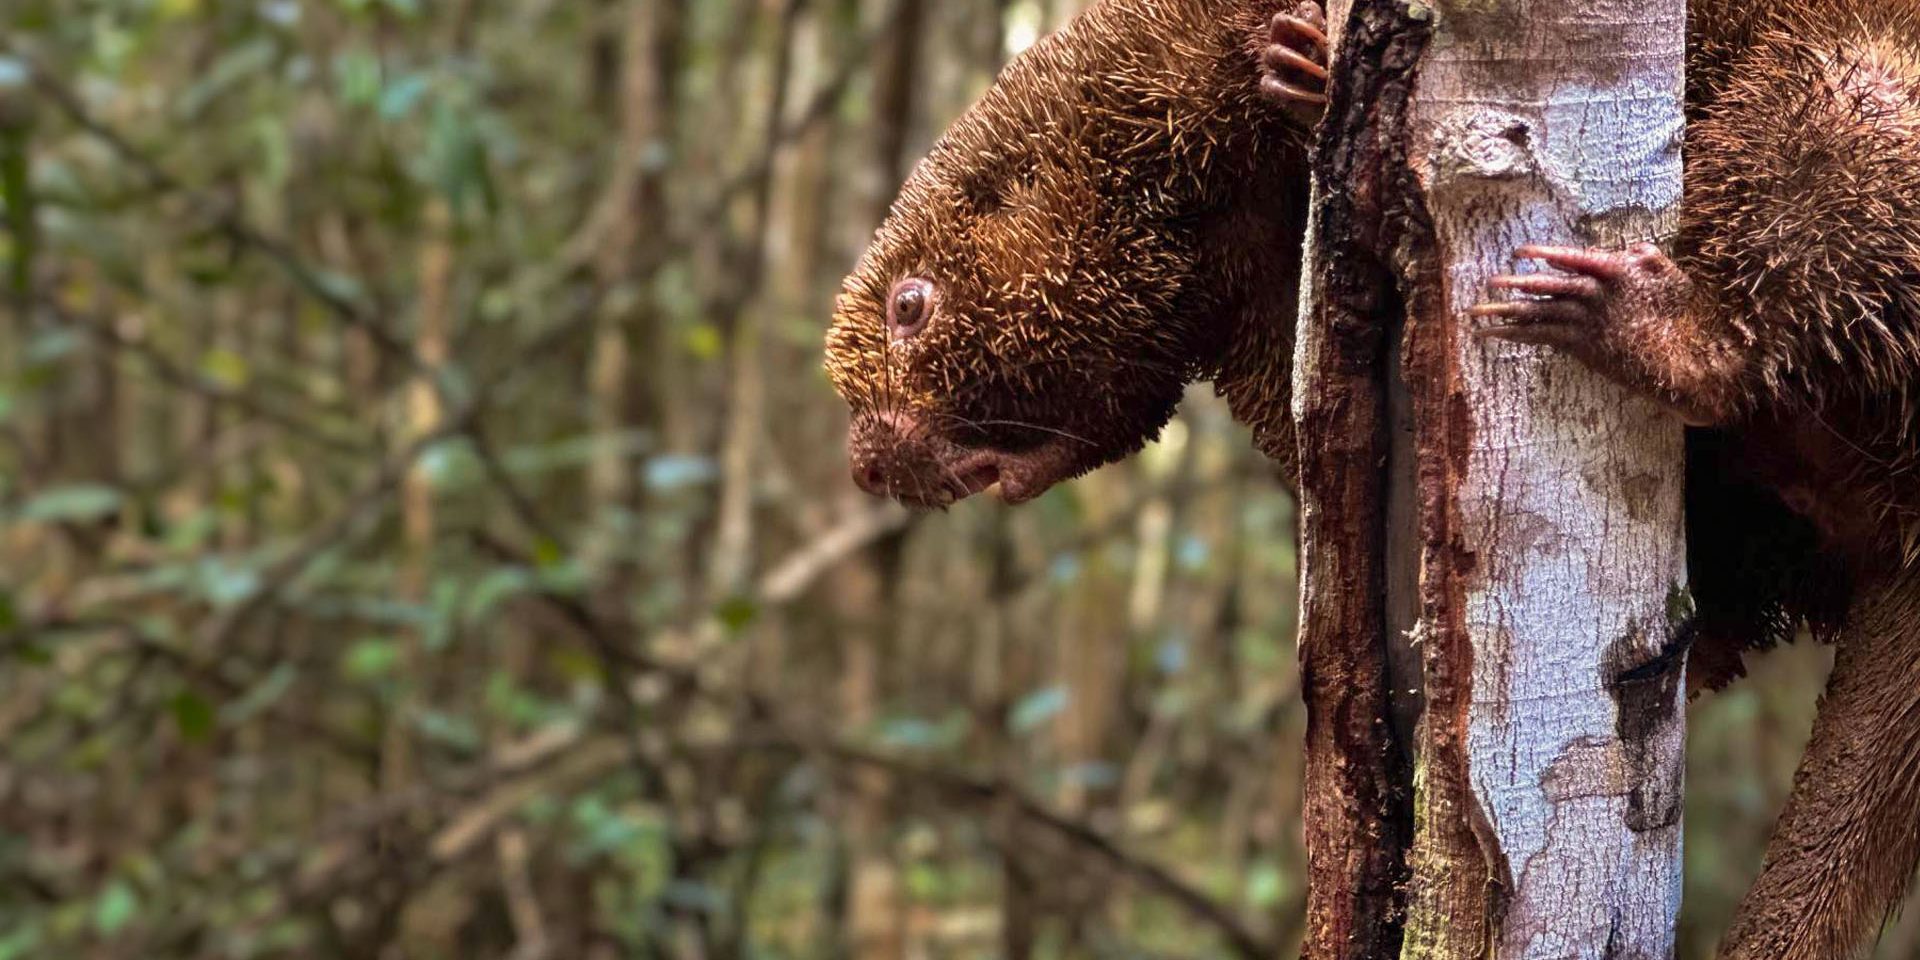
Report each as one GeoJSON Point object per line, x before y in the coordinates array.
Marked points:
{"type": "Point", "coordinates": [1845, 849]}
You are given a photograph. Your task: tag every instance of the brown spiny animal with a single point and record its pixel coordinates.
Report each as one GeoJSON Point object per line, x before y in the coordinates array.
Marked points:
{"type": "Point", "coordinates": [1094, 234]}
{"type": "Point", "coordinates": [1110, 222]}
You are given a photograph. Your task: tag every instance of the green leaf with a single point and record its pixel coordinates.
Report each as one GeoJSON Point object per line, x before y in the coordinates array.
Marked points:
{"type": "Point", "coordinates": [457, 158]}
{"type": "Point", "coordinates": [262, 696]}
{"type": "Point", "coordinates": [494, 589]}
{"type": "Point", "coordinates": [573, 452]}
{"type": "Point", "coordinates": [918, 733]}
{"type": "Point", "coordinates": [704, 342]}
{"type": "Point", "coordinates": [737, 613]}
{"type": "Point", "coordinates": [53, 345]}
{"type": "Point", "coordinates": [23, 943]}
{"type": "Point", "coordinates": [605, 830]}
{"type": "Point", "coordinates": [564, 579]}
{"type": "Point", "coordinates": [281, 13]}
{"type": "Point", "coordinates": [1266, 885]}
{"type": "Point", "coordinates": [547, 554]}
{"type": "Point", "coordinates": [451, 465]}
{"type": "Point", "coordinates": [71, 504]}
{"type": "Point", "coordinates": [451, 729]}
{"type": "Point", "coordinates": [116, 907]}
{"type": "Point", "coordinates": [193, 715]}
{"type": "Point", "coordinates": [226, 368]}
{"type": "Point", "coordinates": [698, 897]}
{"type": "Point", "coordinates": [398, 98]}
{"type": "Point", "coordinates": [372, 659]}
{"type": "Point", "coordinates": [443, 613]}
{"type": "Point", "coordinates": [337, 285]}
{"type": "Point", "coordinates": [233, 68]}
{"type": "Point", "coordinates": [666, 474]}
{"type": "Point", "coordinates": [357, 72]}
{"type": "Point", "coordinates": [227, 583]}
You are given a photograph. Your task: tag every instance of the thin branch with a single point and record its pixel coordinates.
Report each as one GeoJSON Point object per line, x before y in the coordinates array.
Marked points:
{"type": "Point", "coordinates": [518, 500]}
{"type": "Point", "coordinates": [791, 577]}
{"type": "Point", "coordinates": [180, 378]}
{"type": "Point", "coordinates": [817, 110]}
{"type": "Point", "coordinates": [213, 677]}
{"type": "Point", "coordinates": [223, 216]}
{"type": "Point", "coordinates": [1150, 875]}
{"type": "Point", "coordinates": [371, 497]}
{"type": "Point", "coordinates": [773, 728]}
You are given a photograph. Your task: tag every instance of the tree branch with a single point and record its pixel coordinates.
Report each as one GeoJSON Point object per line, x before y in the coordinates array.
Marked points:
{"type": "Point", "coordinates": [230, 223]}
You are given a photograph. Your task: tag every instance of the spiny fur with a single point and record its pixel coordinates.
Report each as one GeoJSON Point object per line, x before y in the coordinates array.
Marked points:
{"type": "Point", "coordinates": [1071, 222]}
{"type": "Point", "coordinates": [1802, 187]}
{"type": "Point", "coordinates": [1801, 234]}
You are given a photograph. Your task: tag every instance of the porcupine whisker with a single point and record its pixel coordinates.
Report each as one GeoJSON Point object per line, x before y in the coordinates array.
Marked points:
{"type": "Point", "coordinates": [1064, 434]}
{"type": "Point", "coordinates": [959, 484]}
{"type": "Point", "coordinates": [918, 430]}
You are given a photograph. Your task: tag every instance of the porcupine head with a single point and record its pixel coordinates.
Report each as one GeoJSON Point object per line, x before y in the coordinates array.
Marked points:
{"type": "Point", "coordinates": [1091, 236]}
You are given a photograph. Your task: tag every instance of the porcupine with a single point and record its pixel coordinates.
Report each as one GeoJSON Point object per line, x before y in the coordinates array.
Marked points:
{"type": "Point", "coordinates": [1110, 223]}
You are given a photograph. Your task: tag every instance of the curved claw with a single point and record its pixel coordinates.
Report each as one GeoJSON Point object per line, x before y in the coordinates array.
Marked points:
{"type": "Point", "coordinates": [1279, 89]}
{"type": "Point", "coordinates": [1305, 24]}
{"type": "Point", "coordinates": [1601, 264]}
{"type": "Point", "coordinates": [1528, 314]}
{"type": "Point", "coordinates": [1293, 65]}
{"type": "Point", "coordinates": [1278, 58]}
{"type": "Point", "coordinates": [1549, 285]}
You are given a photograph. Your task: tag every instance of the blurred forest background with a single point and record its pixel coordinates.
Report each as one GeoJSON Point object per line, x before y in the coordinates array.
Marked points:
{"type": "Point", "coordinates": [424, 531]}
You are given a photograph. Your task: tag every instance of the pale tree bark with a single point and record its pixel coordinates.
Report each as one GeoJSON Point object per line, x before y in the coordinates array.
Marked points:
{"type": "Point", "coordinates": [1540, 590]}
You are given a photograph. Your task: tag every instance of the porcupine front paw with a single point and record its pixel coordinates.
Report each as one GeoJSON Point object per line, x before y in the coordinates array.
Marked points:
{"type": "Point", "coordinates": [1624, 313]}
{"type": "Point", "coordinates": [1293, 65]}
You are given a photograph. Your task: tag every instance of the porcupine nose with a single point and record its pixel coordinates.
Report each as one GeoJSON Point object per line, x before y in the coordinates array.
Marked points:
{"type": "Point", "coordinates": [868, 475]}
{"type": "Point", "coordinates": [886, 457]}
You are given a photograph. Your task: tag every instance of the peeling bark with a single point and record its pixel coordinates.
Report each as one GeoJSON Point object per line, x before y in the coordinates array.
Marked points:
{"type": "Point", "coordinates": [1356, 811]}
{"type": "Point", "coordinates": [1550, 570]}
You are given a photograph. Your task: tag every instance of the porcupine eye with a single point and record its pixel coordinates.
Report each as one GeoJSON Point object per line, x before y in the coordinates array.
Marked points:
{"type": "Point", "coordinates": [908, 308]}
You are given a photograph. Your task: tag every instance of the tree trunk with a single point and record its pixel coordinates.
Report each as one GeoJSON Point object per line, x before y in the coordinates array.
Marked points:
{"type": "Point", "coordinates": [1357, 818]}
{"type": "Point", "coordinates": [1539, 592]}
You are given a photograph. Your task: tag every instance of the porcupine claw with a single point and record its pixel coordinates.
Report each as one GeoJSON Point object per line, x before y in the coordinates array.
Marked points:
{"type": "Point", "coordinates": [1600, 297]}
{"type": "Point", "coordinates": [1293, 66]}
{"type": "Point", "coordinates": [1617, 311]}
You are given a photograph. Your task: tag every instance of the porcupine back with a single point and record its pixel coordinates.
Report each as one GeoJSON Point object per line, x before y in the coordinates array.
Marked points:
{"type": "Point", "coordinates": [1802, 183]}
{"type": "Point", "coordinates": [1803, 216]}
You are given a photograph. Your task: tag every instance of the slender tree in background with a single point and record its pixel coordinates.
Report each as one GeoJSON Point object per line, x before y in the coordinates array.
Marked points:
{"type": "Point", "coordinates": [1547, 761]}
